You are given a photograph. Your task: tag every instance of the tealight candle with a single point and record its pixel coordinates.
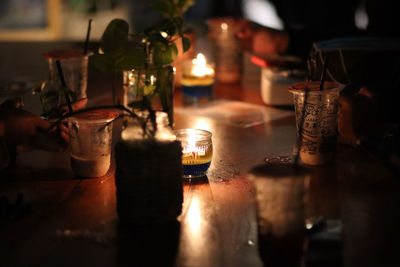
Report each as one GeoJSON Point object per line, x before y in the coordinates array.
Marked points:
{"type": "Point", "coordinates": [197, 80]}
{"type": "Point", "coordinates": [197, 150]}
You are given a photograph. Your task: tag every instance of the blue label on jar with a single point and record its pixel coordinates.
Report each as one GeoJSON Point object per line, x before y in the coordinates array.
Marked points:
{"type": "Point", "coordinates": [197, 91]}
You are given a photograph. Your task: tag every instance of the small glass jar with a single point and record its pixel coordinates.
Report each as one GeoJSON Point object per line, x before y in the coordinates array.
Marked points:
{"type": "Point", "coordinates": [156, 83]}
{"type": "Point", "coordinates": [197, 151]}
{"type": "Point", "coordinates": [227, 49]}
{"type": "Point", "coordinates": [197, 80]}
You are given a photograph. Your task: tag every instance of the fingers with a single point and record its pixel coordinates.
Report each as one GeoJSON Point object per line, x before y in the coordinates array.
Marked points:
{"type": "Point", "coordinates": [25, 128]}
{"type": "Point", "coordinates": [56, 141]}
{"type": "Point", "coordinates": [80, 104]}
{"type": "Point", "coordinates": [77, 105]}
{"type": "Point", "coordinates": [64, 133]}
{"type": "Point", "coordinates": [12, 103]}
{"type": "Point", "coordinates": [42, 124]}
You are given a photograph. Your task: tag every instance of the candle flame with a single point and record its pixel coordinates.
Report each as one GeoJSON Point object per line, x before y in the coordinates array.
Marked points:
{"type": "Point", "coordinates": [192, 147]}
{"type": "Point", "coordinates": [200, 67]}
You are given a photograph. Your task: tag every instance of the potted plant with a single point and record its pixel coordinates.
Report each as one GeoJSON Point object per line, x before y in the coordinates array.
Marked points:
{"type": "Point", "coordinates": [145, 57]}
{"type": "Point", "coordinates": [148, 157]}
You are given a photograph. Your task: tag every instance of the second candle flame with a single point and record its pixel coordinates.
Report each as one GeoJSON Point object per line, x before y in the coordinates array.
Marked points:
{"type": "Point", "coordinates": [200, 67]}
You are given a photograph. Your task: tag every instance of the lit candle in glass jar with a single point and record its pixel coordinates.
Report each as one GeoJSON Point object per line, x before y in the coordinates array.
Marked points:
{"type": "Point", "coordinates": [197, 150]}
{"type": "Point", "coordinates": [197, 80]}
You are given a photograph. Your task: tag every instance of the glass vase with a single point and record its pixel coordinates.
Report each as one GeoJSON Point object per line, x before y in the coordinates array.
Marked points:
{"type": "Point", "coordinates": [156, 84]}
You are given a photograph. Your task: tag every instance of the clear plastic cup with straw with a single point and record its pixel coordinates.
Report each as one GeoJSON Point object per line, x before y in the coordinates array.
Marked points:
{"type": "Point", "coordinates": [316, 117]}
{"type": "Point", "coordinates": [74, 63]}
{"type": "Point", "coordinates": [91, 140]}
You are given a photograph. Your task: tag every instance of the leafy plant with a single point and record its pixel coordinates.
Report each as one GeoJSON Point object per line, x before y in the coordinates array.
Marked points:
{"type": "Point", "coordinates": [154, 48]}
{"type": "Point", "coordinates": [53, 100]}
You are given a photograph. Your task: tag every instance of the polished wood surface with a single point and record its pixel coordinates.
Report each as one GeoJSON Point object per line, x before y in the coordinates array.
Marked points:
{"type": "Point", "coordinates": [64, 220]}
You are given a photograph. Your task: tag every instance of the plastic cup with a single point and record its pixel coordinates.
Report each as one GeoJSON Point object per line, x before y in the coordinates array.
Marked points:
{"type": "Point", "coordinates": [74, 64]}
{"type": "Point", "coordinates": [227, 49]}
{"type": "Point", "coordinates": [91, 139]}
{"type": "Point", "coordinates": [316, 117]}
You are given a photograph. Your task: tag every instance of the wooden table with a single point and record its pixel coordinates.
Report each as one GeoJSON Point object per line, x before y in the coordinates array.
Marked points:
{"type": "Point", "coordinates": [67, 221]}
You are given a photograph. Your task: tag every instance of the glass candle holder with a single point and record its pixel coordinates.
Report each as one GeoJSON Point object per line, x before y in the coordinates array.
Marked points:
{"type": "Point", "coordinates": [197, 150]}
{"type": "Point", "coordinates": [197, 80]}
{"type": "Point", "coordinates": [227, 48]}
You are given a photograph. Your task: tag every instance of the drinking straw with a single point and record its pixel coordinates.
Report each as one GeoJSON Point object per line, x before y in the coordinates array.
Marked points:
{"type": "Point", "coordinates": [323, 74]}
{"type": "Point", "coordinates": [60, 73]}
{"type": "Point", "coordinates": [300, 130]}
{"type": "Point", "coordinates": [303, 112]}
{"type": "Point", "coordinates": [87, 37]}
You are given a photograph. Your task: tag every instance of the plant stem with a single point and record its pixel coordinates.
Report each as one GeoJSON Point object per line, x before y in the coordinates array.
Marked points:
{"type": "Point", "coordinates": [114, 93]}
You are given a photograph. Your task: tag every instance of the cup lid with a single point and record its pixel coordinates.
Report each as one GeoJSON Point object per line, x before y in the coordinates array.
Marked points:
{"type": "Point", "coordinates": [96, 115]}
{"type": "Point", "coordinates": [313, 86]}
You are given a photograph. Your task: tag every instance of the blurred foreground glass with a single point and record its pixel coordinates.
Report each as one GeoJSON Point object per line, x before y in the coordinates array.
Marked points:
{"type": "Point", "coordinates": [74, 64]}
{"type": "Point", "coordinates": [91, 139]}
{"type": "Point", "coordinates": [197, 151]}
{"type": "Point", "coordinates": [280, 192]}
{"type": "Point", "coordinates": [316, 118]}
{"type": "Point", "coordinates": [227, 49]}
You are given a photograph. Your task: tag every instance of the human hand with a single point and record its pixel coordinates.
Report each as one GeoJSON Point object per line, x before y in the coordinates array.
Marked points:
{"type": "Point", "coordinates": [24, 128]}
{"type": "Point", "coordinates": [262, 40]}
{"type": "Point", "coordinates": [358, 116]}
{"type": "Point", "coordinates": [80, 104]}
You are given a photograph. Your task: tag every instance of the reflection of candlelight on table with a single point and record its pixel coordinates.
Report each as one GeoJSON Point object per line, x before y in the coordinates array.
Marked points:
{"type": "Point", "coordinates": [196, 151]}
{"type": "Point", "coordinates": [197, 80]}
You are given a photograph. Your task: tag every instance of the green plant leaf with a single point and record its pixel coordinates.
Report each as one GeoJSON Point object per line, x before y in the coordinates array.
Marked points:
{"type": "Point", "coordinates": [183, 5]}
{"type": "Point", "coordinates": [185, 44]}
{"type": "Point", "coordinates": [134, 58]}
{"type": "Point", "coordinates": [164, 6]}
{"type": "Point", "coordinates": [155, 37]}
{"type": "Point", "coordinates": [115, 37]}
{"type": "Point", "coordinates": [165, 54]}
{"type": "Point", "coordinates": [173, 50]}
{"type": "Point", "coordinates": [159, 53]}
{"type": "Point", "coordinates": [168, 26]}
{"type": "Point", "coordinates": [178, 22]}
{"type": "Point", "coordinates": [148, 89]}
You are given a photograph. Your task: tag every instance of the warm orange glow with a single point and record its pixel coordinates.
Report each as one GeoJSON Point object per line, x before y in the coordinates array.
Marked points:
{"type": "Point", "coordinates": [203, 125]}
{"type": "Point", "coordinates": [200, 67]}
